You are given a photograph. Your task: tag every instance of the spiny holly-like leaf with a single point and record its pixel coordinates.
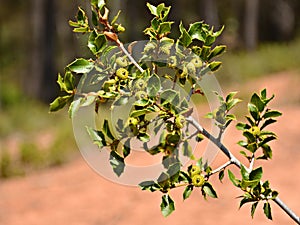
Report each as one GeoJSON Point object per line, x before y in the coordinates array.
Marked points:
{"type": "Point", "coordinates": [97, 137]}
{"type": "Point", "coordinates": [170, 96]}
{"type": "Point", "coordinates": [233, 179]}
{"type": "Point", "coordinates": [253, 208]}
{"type": "Point", "coordinates": [149, 185]}
{"type": "Point", "coordinates": [256, 174]}
{"type": "Point", "coordinates": [267, 210]}
{"type": "Point", "coordinates": [185, 39]}
{"type": "Point", "coordinates": [271, 114]}
{"type": "Point", "coordinates": [117, 163]}
{"type": "Point", "coordinates": [81, 66]}
{"type": "Point", "coordinates": [74, 107]}
{"type": "Point", "coordinates": [217, 51]}
{"type": "Point", "coordinates": [208, 189]}
{"type": "Point", "coordinates": [97, 42]}
{"type": "Point", "coordinates": [214, 66]}
{"type": "Point", "coordinates": [59, 103]}
{"type": "Point", "coordinates": [196, 31]}
{"type": "Point", "coordinates": [153, 85]}
{"type": "Point", "coordinates": [167, 205]}
{"type": "Point", "coordinates": [187, 191]}
{"type": "Point", "coordinates": [256, 100]}
{"type": "Point", "coordinates": [106, 130]}
{"type": "Point", "coordinates": [98, 3]}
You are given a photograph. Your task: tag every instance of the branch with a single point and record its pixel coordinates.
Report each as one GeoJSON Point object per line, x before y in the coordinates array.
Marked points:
{"type": "Point", "coordinates": [221, 168]}
{"type": "Point", "coordinates": [121, 46]}
{"type": "Point", "coordinates": [236, 162]}
{"type": "Point", "coordinates": [287, 210]}
{"type": "Point", "coordinates": [214, 140]}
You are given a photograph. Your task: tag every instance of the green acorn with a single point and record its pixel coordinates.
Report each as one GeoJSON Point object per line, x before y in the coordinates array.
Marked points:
{"type": "Point", "coordinates": [140, 84]}
{"type": "Point", "coordinates": [191, 68]}
{"type": "Point", "coordinates": [122, 61]}
{"type": "Point", "coordinates": [198, 180]}
{"type": "Point", "coordinates": [109, 85]}
{"type": "Point", "coordinates": [122, 73]}
{"type": "Point", "coordinates": [194, 170]}
{"type": "Point", "coordinates": [172, 62]}
{"type": "Point", "coordinates": [180, 121]}
{"type": "Point", "coordinates": [141, 95]}
{"type": "Point", "coordinates": [255, 131]}
{"type": "Point", "coordinates": [197, 62]}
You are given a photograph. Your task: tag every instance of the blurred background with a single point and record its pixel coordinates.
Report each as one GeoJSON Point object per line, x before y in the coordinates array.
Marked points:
{"type": "Point", "coordinates": [263, 38]}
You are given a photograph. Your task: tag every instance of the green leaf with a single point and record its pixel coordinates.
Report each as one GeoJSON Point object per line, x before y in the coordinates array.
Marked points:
{"type": "Point", "coordinates": [271, 114]}
{"type": "Point", "coordinates": [149, 185]}
{"type": "Point", "coordinates": [61, 83]}
{"type": "Point", "coordinates": [170, 96]}
{"type": "Point", "coordinates": [256, 174]}
{"type": "Point", "coordinates": [204, 52]}
{"type": "Point", "coordinates": [69, 81]}
{"type": "Point", "coordinates": [97, 137]}
{"type": "Point", "coordinates": [97, 42]}
{"type": "Point", "coordinates": [253, 111]}
{"type": "Point", "coordinates": [196, 31]}
{"type": "Point", "coordinates": [230, 104]}
{"type": "Point", "coordinates": [115, 18]}
{"type": "Point", "coordinates": [241, 126]}
{"type": "Point", "coordinates": [152, 9]}
{"type": "Point", "coordinates": [173, 171]}
{"type": "Point", "coordinates": [167, 205]}
{"type": "Point", "coordinates": [165, 27]}
{"type": "Point", "coordinates": [94, 18]}
{"type": "Point", "coordinates": [214, 66]}
{"type": "Point", "coordinates": [210, 39]}
{"type": "Point", "coordinates": [209, 190]}
{"type": "Point", "coordinates": [74, 107]}
{"type": "Point", "coordinates": [267, 210]}
{"type": "Point", "coordinates": [187, 149]}
{"type": "Point", "coordinates": [59, 103]}
{"type": "Point", "coordinates": [137, 113]}
{"type": "Point", "coordinates": [230, 96]}
{"type": "Point", "coordinates": [187, 191]}
{"type": "Point", "coordinates": [268, 122]}
{"type": "Point", "coordinates": [244, 173]}
{"type": "Point", "coordinates": [106, 130]}
{"type": "Point", "coordinates": [81, 66]}
{"type": "Point", "coordinates": [144, 137]}
{"type": "Point", "coordinates": [117, 163]}
{"type": "Point", "coordinates": [233, 179]}
{"type": "Point", "coordinates": [81, 17]}
{"type": "Point", "coordinates": [245, 200]}
{"type": "Point", "coordinates": [153, 85]}
{"type": "Point", "coordinates": [253, 208]}
{"type": "Point", "coordinates": [256, 100]}
{"type": "Point", "coordinates": [217, 51]}
{"type": "Point", "coordinates": [126, 148]}
{"type": "Point", "coordinates": [98, 3]}
{"type": "Point", "coordinates": [185, 39]}
{"type": "Point", "coordinates": [267, 151]}
{"type": "Point", "coordinates": [221, 175]}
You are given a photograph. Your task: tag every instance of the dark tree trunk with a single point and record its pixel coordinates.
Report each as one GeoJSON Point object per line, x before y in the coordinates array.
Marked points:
{"type": "Point", "coordinates": [41, 81]}
{"type": "Point", "coordinates": [251, 24]}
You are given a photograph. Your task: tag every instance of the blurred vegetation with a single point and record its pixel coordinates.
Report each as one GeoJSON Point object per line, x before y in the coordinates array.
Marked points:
{"type": "Point", "coordinates": [36, 42]}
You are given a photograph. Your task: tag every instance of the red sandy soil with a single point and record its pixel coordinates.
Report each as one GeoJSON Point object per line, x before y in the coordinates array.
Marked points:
{"type": "Point", "coordinates": [74, 194]}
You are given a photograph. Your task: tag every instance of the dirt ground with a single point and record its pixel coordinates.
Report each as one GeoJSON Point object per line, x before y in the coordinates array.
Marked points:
{"type": "Point", "coordinates": [74, 194]}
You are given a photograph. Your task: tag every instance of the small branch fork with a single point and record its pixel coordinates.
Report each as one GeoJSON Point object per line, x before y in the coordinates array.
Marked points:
{"type": "Point", "coordinates": [236, 162]}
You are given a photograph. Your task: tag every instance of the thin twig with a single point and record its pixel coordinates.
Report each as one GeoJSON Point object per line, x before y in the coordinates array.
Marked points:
{"type": "Point", "coordinates": [236, 162]}
{"type": "Point", "coordinates": [228, 163]}
{"type": "Point", "coordinates": [121, 46]}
